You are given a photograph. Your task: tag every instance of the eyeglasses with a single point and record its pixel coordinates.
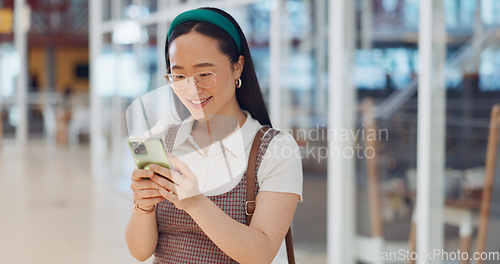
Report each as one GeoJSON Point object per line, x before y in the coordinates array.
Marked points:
{"type": "Point", "coordinates": [202, 79]}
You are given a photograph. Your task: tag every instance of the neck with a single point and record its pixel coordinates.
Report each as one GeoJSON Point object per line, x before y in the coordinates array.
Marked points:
{"type": "Point", "coordinates": [219, 126]}
{"type": "Point", "coordinates": [219, 121]}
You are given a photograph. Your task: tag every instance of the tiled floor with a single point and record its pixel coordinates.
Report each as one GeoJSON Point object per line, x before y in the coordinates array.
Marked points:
{"type": "Point", "coordinates": [53, 212]}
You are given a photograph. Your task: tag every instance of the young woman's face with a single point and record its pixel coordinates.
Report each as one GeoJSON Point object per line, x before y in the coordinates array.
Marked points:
{"type": "Point", "coordinates": [194, 53]}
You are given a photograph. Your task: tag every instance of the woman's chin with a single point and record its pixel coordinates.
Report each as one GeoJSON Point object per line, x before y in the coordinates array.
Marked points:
{"type": "Point", "coordinates": [200, 114]}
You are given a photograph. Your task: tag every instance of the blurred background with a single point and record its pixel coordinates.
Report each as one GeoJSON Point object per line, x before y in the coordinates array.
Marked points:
{"type": "Point", "coordinates": [382, 96]}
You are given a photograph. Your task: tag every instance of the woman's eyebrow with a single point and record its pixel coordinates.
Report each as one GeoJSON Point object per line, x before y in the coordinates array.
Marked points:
{"type": "Point", "coordinates": [177, 67]}
{"type": "Point", "coordinates": [205, 64]}
{"type": "Point", "coordinates": [200, 65]}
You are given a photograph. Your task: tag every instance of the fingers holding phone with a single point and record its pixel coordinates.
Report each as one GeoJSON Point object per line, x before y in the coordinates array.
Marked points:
{"type": "Point", "coordinates": [180, 179]}
{"type": "Point", "coordinates": [146, 192]}
{"type": "Point", "coordinates": [176, 183]}
{"type": "Point", "coordinates": [146, 152]}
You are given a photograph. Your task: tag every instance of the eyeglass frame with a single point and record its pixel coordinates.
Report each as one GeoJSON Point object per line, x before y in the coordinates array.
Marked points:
{"type": "Point", "coordinates": [192, 77]}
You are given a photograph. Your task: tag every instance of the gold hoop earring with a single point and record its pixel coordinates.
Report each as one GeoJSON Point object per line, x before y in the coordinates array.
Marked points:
{"type": "Point", "coordinates": [238, 83]}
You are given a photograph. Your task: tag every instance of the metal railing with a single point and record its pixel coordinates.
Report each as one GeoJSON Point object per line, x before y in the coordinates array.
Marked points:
{"type": "Point", "coordinates": [467, 54]}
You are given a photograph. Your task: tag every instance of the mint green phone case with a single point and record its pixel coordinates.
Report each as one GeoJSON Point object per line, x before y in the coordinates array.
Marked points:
{"type": "Point", "coordinates": [148, 151]}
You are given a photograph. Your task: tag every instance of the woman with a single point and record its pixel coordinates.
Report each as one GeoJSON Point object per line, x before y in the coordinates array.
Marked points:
{"type": "Point", "coordinates": [181, 217]}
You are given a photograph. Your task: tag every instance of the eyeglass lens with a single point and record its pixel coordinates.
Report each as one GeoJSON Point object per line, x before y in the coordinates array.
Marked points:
{"type": "Point", "coordinates": [202, 79]}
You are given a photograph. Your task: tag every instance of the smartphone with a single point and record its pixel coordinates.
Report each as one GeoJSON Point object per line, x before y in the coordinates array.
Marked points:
{"type": "Point", "coordinates": [148, 151]}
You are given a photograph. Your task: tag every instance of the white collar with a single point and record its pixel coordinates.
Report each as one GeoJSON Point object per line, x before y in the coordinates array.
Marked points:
{"type": "Point", "coordinates": [236, 143]}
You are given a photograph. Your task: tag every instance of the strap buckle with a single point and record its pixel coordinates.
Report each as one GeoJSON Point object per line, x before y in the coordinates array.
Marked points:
{"type": "Point", "coordinates": [246, 207]}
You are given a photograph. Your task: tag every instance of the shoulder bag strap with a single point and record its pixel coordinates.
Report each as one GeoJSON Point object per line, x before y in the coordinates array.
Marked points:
{"type": "Point", "coordinates": [250, 203]}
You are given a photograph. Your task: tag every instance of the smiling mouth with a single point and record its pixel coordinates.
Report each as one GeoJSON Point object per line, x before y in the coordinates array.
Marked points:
{"type": "Point", "coordinates": [199, 102]}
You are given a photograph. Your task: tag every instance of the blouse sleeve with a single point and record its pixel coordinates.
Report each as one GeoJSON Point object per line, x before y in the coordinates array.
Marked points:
{"type": "Point", "coordinates": [281, 166]}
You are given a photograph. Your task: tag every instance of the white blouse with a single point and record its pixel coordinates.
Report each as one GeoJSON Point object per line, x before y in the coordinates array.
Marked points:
{"type": "Point", "coordinates": [223, 166]}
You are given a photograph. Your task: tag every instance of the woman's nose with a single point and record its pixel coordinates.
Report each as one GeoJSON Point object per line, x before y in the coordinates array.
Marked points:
{"type": "Point", "coordinates": [191, 87]}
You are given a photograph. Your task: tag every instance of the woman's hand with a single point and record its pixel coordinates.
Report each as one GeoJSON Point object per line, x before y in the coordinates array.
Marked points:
{"type": "Point", "coordinates": [180, 186]}
{"type": "Point", "coordinates": [146, 192]}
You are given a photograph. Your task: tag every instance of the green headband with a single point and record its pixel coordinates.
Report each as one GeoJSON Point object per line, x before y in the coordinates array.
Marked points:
{"type": "Point", "coordinates": [210, 17]}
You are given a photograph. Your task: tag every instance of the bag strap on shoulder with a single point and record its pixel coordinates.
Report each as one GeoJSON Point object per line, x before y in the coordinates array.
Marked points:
{"type": "Point", "coordinates": [250, 201]}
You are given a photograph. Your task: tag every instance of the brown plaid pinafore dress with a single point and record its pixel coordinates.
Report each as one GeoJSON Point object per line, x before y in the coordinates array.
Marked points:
{"type": "Point", "coordinates": [180, 239]}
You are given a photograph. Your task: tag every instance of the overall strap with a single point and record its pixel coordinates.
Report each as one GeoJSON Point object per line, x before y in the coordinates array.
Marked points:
{"type": "Point", "coordinates": [170, 137]}
{"type": "Point", "coordinates": [250, 203]}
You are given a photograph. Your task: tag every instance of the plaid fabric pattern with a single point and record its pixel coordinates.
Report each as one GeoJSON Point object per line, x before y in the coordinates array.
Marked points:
{"type": "Point", "coordinates": [170, 138]}
{"type": "Point", "coordinates": [180, 239]}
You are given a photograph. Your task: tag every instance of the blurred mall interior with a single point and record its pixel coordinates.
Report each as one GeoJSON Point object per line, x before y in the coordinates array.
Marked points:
{"type": "Point", "coordinates": [413, 83]}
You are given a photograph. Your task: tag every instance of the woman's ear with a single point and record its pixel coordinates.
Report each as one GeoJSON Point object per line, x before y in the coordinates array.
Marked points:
{"type": "Point", "coordinates": [238, 66]}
